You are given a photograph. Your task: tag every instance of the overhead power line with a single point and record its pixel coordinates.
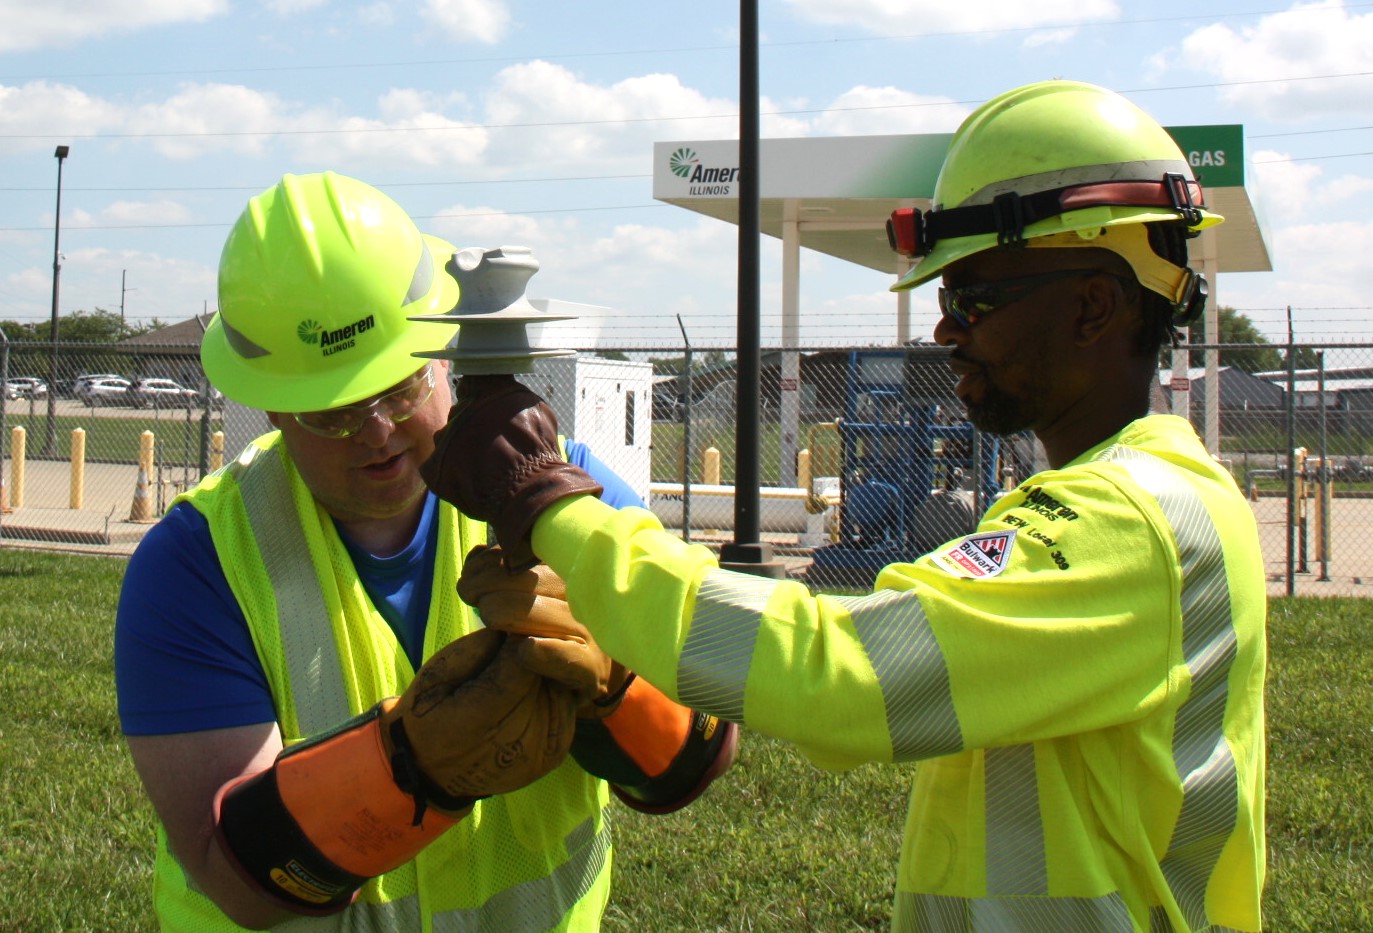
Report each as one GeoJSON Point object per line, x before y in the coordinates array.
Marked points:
{"type": "Point", "coordinates": [677, 50]}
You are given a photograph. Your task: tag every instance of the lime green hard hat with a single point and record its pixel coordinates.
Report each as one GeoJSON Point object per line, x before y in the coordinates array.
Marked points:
{"type": "Point", "coordinates": [317, 282]}
{"type": "Point", "coordinates": [1045, 160]}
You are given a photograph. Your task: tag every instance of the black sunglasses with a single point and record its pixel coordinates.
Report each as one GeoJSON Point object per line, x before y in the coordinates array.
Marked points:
{"type": "Point", "coordinates": [967, 303]}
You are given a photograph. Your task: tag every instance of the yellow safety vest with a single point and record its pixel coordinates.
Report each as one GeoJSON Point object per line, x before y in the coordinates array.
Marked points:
{"type": "Point", "coordinates": [535, 859]}
{"type": "Point", "coordinates": [1081, 681]}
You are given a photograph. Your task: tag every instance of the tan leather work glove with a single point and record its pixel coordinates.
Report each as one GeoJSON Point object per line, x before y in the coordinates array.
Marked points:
{"type": "Point", "coordinates": [533, 603]}
{"type": "Point", "coordinates": [477, 721]}
{"type": "Point", "coordinates": [498, 460]}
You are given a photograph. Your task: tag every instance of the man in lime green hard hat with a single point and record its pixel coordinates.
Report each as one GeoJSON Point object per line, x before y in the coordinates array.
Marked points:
{"type": "Point", "coordinates": [330, 737]}
{"type": "Point", "coordinates": [1081, 678]}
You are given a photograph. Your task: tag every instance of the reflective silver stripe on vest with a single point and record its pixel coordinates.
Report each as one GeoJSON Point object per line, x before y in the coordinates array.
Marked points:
{"type": "Point", "coordinates": [1015, 833]}
{"type": "Point", "coordinates": [932, 913]}
{"type": "Point", "coordinates": [539, 904]}
{"type": "Point", "coordinates": [1159, 923]}
{"type": "Point", "coordinates": [1204, 761]}
{"type": "Point", "coordinates": [911, 671]}
{"type": "Point", "coordinates": [714, 665]}
{"type": "Point", "coordinates": [314, 670]}
{"type": "Point", "coordinates": [307, 633]}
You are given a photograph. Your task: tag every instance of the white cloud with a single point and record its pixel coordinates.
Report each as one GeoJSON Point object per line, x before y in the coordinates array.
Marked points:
{"type": "Point", "coordinates": [30, 25]}
{"type": "Point", "coordinates": [478, 225]}
{"type": "Point", "coordinates": [1282, 187]}
{"type": "Point", "coordinates": [553, 117]}
{"type": "Point", "coordinates": [411, 131]}
{"type": "Point", "coordinates": [206, 119]}
{"type": "Point", "coordinates": [165, 287]}
{"type": "Point", "coordinates": [143, 213]}
{"type": "Point", "coordinates": [376, 15]}
{"type": "Point", "coordinates": [1309, 40]}
{"type": "Point", "coordinates": [1322, 274]}
{"type": "Point", "coordinates": [468, 20]}
{"type": "Point", "coordinates": [52, 110]}
{"type": "Point", "coordinates": [292, 7]}
{"type": "Point", "coordinates": [922, 17]}
{"type": "Point", "coordinates": [881, 110]}
{"type": "Point", "coordinates": [1294, 190]}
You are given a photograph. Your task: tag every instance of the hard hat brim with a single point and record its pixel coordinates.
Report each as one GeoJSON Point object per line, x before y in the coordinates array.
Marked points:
{"type": "Point", "coordinates": [947, 252]}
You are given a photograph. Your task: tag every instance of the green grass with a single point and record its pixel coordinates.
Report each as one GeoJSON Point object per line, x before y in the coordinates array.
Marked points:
{"type": "Point", "coordinates": [117, 439]}
{"type": "Point", "coordinates": [777, 845]}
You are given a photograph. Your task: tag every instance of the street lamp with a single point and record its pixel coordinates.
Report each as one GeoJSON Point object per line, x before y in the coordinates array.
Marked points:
{"type": "Point", "coordinates": [50, 445]}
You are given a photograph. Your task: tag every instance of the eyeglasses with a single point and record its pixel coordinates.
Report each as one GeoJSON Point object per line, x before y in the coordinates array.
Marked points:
{"type": "Point", "coordinates": [400, 404]}
{"type": "Point", "coordinates": [968, 303]}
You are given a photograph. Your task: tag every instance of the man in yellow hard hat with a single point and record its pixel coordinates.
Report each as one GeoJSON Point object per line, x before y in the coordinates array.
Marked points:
{"type": "Point", "coordinates": [328, 734]}
{"type": "Point", "coordinates": [1081, 679]}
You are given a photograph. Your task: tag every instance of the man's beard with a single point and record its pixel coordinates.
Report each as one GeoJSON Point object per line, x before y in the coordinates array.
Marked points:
{"type": "Point", "coordinates": [1000, 413]}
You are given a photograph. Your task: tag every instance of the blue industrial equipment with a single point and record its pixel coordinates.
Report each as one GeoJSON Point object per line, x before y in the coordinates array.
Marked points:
{"type": "Point", "coordinates": [913, 473]}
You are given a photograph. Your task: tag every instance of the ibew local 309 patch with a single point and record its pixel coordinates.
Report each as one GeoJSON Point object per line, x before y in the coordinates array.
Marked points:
{"type": "Point", "coordinates": [977, 556]}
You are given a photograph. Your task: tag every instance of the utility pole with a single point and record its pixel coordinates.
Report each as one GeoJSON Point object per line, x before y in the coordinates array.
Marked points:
{"type": "Point", "coordinates": [122, 290]}
{"type": "Point", "coordinates": [50, 444]}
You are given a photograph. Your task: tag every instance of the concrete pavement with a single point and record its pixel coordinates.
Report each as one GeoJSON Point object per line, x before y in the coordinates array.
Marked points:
{"type": "Point", "coordinates": [104, 524]}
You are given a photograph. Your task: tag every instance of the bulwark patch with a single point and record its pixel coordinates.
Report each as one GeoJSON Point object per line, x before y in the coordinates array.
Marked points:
{"type": "Point", "coordinates": [977, 556]}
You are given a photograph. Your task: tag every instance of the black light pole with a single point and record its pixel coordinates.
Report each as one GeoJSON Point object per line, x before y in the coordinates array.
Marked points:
{"type": "Point", "coordinates": [748, 553]}
{"type": "Point", "coordinates": [50, 445]}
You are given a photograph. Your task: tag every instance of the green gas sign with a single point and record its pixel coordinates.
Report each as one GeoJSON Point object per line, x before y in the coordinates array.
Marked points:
{"type": "Point", "coordinates": [1216, 153]}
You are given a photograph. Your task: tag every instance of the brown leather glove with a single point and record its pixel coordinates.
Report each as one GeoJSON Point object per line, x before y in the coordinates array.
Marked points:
{"type": "Point", "coordinates": [498, 461]}
{"type": "Point", "coordinates": [533, 603]}
{"type": "Point", "coordinates": [476, 721]}
{"type": "Point", "coordinates": [360, 800]}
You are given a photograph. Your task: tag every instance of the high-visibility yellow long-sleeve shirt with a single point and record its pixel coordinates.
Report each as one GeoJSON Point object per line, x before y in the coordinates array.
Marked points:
{"type": "Point", "coordinates": [1081, 680]}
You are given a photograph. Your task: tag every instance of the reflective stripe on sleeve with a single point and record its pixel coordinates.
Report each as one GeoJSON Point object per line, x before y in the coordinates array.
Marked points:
{"type": "Point", "coordinates": [1204, 761]}
{"type": "Point", "coordinates": [715, 660]}
{"type": "Point", "coordinates": [911, 671]}
{"type": "Point", "coordinates": [892, 628]}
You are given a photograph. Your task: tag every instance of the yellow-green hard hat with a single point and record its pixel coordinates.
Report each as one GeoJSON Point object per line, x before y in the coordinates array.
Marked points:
{"type": "Point", "coordinates": [317, 282]}
{"type": "Point", "coordinates": [1048, 158]}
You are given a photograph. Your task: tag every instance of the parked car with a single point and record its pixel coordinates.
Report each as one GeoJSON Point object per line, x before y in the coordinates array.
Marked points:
{"type": "Point", "coordinates": [72, 389]}
{"type": "Point", "coordinates": [667, 405]}
{"type": "Point", "coordinates": [25, 387]}
{"type": "Point", "coordinates": [112, 390]}
{"type": "Point", "coordinates": [162, 393]}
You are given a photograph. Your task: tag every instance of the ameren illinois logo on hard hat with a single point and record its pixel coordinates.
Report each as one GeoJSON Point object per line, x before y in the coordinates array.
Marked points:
{"type": "Point", "coordinates": [336, 340]}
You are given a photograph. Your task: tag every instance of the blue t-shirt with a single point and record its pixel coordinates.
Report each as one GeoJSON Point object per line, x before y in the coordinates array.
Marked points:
{"type": "Point", "coordinates": [183, 657]}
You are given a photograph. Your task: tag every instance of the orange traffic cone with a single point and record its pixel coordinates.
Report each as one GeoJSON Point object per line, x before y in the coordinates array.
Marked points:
{"type": "Point", "coordinates": [142, 509]}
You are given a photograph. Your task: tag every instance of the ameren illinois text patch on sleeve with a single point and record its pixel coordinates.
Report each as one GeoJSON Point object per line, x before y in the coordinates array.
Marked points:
{"type": "Point", "coordinates": [976, 556]}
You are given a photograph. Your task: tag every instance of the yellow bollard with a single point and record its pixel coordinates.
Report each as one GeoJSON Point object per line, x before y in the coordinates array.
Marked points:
{"type": "Point", "coordinates": [216, 450]}
{"type": "Point", "coordinates": [18, 446]}
{"type": "Point", "coordinates": [78, 484]}
{"type": "Point", "coordinates": [710, 466]}
{"type": "Point", "coordinates": [803, 477]}
{"type": "Point", "coordinates": [142, 508]}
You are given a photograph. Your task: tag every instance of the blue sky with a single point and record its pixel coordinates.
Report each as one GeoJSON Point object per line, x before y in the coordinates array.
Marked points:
{"type": "Point", "coordinates": [519, 122]}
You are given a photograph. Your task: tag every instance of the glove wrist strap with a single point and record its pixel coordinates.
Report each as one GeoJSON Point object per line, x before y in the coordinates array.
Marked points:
{"type": "Point", "coordinates": [406, 773]}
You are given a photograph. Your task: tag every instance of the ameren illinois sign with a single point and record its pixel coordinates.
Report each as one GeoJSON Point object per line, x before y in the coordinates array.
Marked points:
{"type": "Point", "coordinates": [840, 190]}
{"type": "Point", "coordinates": [880, 166]}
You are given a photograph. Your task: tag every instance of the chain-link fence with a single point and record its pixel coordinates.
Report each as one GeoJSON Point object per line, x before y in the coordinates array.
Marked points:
{"type": "Point", "coordinates": [862, 451]}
